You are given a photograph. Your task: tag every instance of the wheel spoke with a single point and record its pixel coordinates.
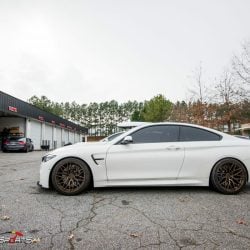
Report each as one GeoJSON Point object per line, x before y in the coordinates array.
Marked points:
{"type": "Point", "coordinates": [230, 176]}
{"type": "Point", "coordinates": [70, 177]}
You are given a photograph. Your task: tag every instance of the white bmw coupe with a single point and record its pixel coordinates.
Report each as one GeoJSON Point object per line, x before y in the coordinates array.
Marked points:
{"type": "Point", "coordinates": [158, 154]}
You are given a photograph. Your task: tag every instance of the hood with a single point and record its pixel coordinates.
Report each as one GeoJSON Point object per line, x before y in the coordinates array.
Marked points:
{"type": "Point", "coordinates": [78, 146]}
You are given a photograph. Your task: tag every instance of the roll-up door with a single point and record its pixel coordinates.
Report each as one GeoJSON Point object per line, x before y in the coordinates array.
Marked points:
{"type": "Point", "coordinates": [48, 137]}
{"type": "Point", "coordinates": [66, 136]}
{"type": "Point", "coordinates": [35, 133]}
{"type": "Point", "coordinates": [71, 137]}
{"type": "Point", "coordinates": [58, 137]}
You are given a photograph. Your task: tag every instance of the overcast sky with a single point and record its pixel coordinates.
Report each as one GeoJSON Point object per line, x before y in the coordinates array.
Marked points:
{"type": "Point", "coordinates": [99, 50]}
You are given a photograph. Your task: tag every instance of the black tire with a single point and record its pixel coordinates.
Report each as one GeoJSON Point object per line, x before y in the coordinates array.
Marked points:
{"type": "Point", "coordinates": [229, 176]}
{"type": "Point", "coordinates": [70, 176]}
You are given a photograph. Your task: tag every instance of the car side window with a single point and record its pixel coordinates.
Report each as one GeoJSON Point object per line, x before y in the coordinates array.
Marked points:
{"type": "Point", "coordinates": [196, 134]}
{"type": "Point", "coordinates": [156, 134]}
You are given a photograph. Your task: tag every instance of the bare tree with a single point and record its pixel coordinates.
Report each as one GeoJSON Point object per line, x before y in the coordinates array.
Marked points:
{"type": "Point", "coordinates": [198, 87]}
{"type": "Point", "coordinates": [241, 64]}
{"type": "Point", "coordinates": [228, 93]}
{"type": "Point", "coordinates": [200, 96]}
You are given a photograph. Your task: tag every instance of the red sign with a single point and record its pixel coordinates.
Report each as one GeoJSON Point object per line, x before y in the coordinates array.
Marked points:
{"type": "Point", "coordinates": [12, 109]}
{"type": "Point", "coordinates": [53, 122]}
{"type": "Point", "coordinates": [62, 125]}
{"type": "Point", "coordinates": [41, 118]}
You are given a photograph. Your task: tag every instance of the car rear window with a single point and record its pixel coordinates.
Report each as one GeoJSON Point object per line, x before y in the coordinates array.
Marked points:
{"type": "Point", "coordinates": [17, 139]}
{"type": "Point", "coordinates": [197, 134]}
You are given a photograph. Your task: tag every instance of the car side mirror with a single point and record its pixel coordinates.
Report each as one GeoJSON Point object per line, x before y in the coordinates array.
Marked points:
{"type": "Point", "coordinates": [128, 139]}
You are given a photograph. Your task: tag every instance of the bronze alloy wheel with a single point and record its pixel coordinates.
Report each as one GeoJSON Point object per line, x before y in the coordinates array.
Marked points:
{"type": "Point", "coordinates": [229, 176]}
{"type": "Point", "coordinates": [70, 176]}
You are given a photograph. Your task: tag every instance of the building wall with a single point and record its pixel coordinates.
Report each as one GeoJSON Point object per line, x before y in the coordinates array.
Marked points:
{"type": "Point", "coordinates": [41, 133]}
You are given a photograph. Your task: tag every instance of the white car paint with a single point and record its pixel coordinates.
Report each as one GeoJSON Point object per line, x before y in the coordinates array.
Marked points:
{"type": "Point", "coordinates": [168, 163]}
{"type": "Point", "coordinates": [141, 162]}
{"type": "Point", "coordinates": [129, 124]}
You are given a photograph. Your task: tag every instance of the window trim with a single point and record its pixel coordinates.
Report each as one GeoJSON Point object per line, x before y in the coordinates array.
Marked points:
{"type": "Point", "coordinates": [179, 133]}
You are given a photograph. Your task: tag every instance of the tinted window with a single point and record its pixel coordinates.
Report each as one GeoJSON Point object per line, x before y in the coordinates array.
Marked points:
{"type": "Point", "coordinates": [156, 134]}
{"type": "Point", "coordinates": [112, 137]}
{"type": "Point", "coordinates": [196, 134]}
{"type": "Point", "coordinates": [17, 139]}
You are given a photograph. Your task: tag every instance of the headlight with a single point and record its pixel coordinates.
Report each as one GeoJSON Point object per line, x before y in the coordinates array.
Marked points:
{"type": "Point", "coordinates": [48, 157]}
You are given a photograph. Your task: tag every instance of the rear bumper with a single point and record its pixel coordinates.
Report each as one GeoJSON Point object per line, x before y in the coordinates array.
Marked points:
{"type": "Point", "coordinates": [14, 148]}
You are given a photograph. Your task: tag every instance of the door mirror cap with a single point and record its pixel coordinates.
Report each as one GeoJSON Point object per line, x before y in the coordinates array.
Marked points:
{"type": "Point", "coordinates": [128, 139]}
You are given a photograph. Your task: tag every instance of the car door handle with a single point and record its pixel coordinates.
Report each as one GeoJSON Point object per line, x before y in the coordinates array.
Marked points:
{"type": "Point", "coordinates": [172, 147]}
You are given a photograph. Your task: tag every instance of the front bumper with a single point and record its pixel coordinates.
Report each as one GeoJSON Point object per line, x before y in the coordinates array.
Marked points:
{"type": "Point", "coordinates": [40, 186]}
{"type": "Point", "coordinates": [45, 170]}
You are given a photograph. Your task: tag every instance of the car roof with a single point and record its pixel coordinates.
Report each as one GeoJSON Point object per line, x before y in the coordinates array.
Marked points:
{"type": "Point", "coordinates": [132, 124]}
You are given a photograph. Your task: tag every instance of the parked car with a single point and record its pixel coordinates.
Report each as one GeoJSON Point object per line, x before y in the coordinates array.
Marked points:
{"type": "Point", "coordinates": [18, 144]}
{"type": "Point", "coordinates": [159, 154]}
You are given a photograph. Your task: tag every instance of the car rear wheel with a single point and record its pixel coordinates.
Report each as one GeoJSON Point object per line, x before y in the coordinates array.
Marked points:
{"type": "Point", "coordinates": [71, 176]}
{"type": "Point", "coordinates": [229, 176]}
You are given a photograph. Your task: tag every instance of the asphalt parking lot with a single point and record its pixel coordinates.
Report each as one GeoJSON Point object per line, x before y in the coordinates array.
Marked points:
{"type": "Point", "coordinates": [118, 218]}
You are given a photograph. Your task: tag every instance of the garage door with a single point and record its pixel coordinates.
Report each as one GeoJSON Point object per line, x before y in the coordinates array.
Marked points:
{"type": "Point", "coordinates": [71, 137]}
{"type": "Point", "coordinates": [35, 134]}
{"type": "Point", "coordinates": [48, 137]}
{"type": "Point", "coordinates": [58, 137]}
{"type": "Point", "coordinates": [77, 137]}
{"type": "Point", "coordinates": [65, 136]}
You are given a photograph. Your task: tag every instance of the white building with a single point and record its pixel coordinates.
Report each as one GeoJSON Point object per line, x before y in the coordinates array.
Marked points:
{"type": "Point", "coordinates": [19, 118]}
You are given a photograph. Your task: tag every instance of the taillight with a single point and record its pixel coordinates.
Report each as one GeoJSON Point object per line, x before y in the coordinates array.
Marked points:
{"type": "Point", "coordinates": [22, 142]}
{"type": "Point", "coordinates": [6, 141]}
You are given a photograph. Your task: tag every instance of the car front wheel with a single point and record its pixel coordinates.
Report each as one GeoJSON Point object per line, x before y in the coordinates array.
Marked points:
{"type": "Point", "coordinates": [229, 176]}
{"type": "Point", "coordinates": [71, 176]}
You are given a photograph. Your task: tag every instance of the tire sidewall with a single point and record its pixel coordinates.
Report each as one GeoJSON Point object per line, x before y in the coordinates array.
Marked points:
{"type": "Point", "coordinates": [75, 161]}
{"type": "Point", "coordinates": [217, 186]}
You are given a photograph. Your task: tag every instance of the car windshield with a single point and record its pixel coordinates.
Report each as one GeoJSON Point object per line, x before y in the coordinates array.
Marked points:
{"type": "Point", "coordinates": [112, 137]}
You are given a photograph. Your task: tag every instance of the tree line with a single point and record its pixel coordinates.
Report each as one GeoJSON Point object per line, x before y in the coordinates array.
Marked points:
{"type": "Point", "coordinates": [222, 105]}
